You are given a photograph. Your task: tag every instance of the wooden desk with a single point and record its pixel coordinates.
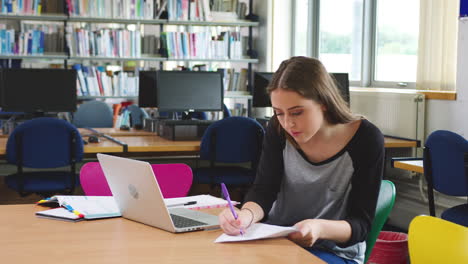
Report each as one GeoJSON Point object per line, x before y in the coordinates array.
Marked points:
{"type": "Point", "coordinates": [146, 144]}
{"type": "Point", "coordinates": [29, 239]}
{"type": "Point", "coordinates": [117, 132]}
{"type": "Point", "coordinates": [410, 165]}
{"type": "Point", "coordinates": [399, 143]}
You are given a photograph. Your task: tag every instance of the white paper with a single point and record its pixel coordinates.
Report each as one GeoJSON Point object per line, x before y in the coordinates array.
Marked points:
{"type": "Point", "coordinates": [91, 206]}
{"type": "Point", "coordinates": [202, 201]}
{"type": "Point", "coordinates": [59, 213]}
{"type": "Point", "coordinates": [258, 231]}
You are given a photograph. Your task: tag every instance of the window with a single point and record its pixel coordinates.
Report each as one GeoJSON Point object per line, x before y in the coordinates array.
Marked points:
{"type": "Point", "coordinates": [340, 36]}
{"type": "Point", "coordinates": [396, 41]}
{"type": "Point", "coordinates": [300, 27]}
{"type": "Point", "coordinates": [375, 41]}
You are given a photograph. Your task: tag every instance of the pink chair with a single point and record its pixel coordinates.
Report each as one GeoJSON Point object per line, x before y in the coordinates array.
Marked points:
{"type": "Point", "coordinates": [174, 180]}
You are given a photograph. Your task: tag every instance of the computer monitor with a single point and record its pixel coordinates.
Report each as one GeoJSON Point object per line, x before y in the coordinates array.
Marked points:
{"type": "Point", "coordinates": [38, 90]}
{"type": "Point", "coordinates": [342, 81]}
{"type": "Point", "coordinates": [262, 79]}
{"type": "Point", "coordinates": [190, 91]}
{"type": "Point", "coordinates": [147, 89]}
{"type": "Point", "coordinates": [260, 97]}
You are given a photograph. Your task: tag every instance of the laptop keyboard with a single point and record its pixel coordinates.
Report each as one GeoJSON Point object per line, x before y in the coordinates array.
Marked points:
{"type": "Point", "coordinates": [181, 222]}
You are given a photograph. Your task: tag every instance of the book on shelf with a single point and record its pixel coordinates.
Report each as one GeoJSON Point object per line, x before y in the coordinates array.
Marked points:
{"type": "Point", "coordinates": [77, 207]}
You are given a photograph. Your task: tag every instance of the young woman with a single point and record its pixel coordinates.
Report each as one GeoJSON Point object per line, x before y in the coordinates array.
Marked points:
{"type": "Point", "coordinates": [320, 169]}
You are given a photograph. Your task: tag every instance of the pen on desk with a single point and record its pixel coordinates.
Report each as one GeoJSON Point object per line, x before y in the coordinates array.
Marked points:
{"type": "Point", "coordinates": [228, 199]}
{"type": "Point", "coordinates": [182, 204]}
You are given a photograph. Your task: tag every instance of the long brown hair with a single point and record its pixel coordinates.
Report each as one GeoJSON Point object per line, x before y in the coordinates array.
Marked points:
{"type": "Point", "coordinates": [309, 78]}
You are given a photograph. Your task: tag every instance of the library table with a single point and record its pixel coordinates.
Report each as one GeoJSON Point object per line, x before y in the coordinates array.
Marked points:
{"type": "Point", "coordinates": [155, 145]}
{"type": "Point", "coordinates": [117, 132]}
{"type": "Point", "coordinates": [29, 239]}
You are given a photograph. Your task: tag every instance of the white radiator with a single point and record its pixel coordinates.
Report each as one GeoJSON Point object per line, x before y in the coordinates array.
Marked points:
{"type": "Point", "coordinates": [394, 113]}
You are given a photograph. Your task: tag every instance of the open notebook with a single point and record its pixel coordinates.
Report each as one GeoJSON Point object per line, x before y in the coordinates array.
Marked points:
{"type": "Point", "coordinates": [94, 207]}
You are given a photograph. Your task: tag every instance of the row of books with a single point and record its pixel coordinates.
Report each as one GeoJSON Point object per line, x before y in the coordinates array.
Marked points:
{"type": "Point", "coordinates": [104, 42]}
{"type": "Point", "coordinates": [196, 10]}
{"type": "Point", "coordinates": [96, 81]}
{"type": "Point", "coordinates": [31, 7]}
{"type": "Point", "coordinates": [234, 81]}
{"type": "Point", "coordinates": [30, 42]}
{"type": "Point", "coordinates": [128, 9]}
{"type": "Point", "coordinates": [206, 10]}
{"type": "Point", "coordinates": [186, 45]}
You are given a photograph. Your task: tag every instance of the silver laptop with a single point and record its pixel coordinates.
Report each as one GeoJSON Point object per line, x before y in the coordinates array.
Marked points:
{"type": "Point", "coordinates": [139, 198]}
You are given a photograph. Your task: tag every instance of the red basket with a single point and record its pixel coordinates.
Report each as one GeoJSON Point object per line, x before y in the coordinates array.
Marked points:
{"type": "Point", "coordinates": [390, 248]}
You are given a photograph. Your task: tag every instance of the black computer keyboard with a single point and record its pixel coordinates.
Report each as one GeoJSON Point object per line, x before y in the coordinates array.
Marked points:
{"type": "Point", "coordinates": [189, 122]}
{"type": "Point", "coordinates": [181, 222]}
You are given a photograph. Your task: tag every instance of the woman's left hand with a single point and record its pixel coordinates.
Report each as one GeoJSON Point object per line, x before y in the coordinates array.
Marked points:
{"type": "Point", "coordinates": [308, 232]}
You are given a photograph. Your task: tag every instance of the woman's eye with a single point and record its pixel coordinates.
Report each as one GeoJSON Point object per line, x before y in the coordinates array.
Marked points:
{"type": "Point", "coordinates": [279, 114]}
{"type": "Point", "coordinates": [296, 113]}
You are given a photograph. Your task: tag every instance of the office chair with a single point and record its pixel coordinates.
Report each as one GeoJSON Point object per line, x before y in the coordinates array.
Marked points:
{"type": "Point", "coordinates": [226, 111]}
{"type": "Point", "coordinates": [384, 206]}
{"type": "Point", "coordinates": [432, 240]}
{"type": "Point", "coordinates": [93, 114]}
{"type": "Point", "coordinates": [231, 141]}
{"type": "Point", "coordinates": [44, 143]}
{"type": "Point", "coordinates": [137, 115]}
{"type": "Point", "coordinates": [174, 180]}
{"type": "Point", "coordinates": [445, 171]}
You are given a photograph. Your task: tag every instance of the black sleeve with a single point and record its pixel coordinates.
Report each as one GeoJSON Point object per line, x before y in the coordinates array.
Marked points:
{"type": "Point", "coordinates": [270, 169]}
{"type": "Point", "coordinates": [368, 160]}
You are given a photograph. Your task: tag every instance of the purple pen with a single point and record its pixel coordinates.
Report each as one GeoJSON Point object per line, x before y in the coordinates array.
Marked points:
{"type": "Point", "coordinates": [228, 199]}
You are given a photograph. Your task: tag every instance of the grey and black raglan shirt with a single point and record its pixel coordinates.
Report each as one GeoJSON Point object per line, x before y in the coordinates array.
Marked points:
{"type": "Point", "coordinates": [290, 188]}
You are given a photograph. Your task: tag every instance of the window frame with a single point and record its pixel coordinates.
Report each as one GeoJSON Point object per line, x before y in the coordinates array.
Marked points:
{"type": "Point", "coordinates": [369, 42]}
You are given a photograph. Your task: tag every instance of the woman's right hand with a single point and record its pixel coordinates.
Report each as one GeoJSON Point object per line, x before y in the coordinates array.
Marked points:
{"type": "Point", "coordinates": [230, 225]}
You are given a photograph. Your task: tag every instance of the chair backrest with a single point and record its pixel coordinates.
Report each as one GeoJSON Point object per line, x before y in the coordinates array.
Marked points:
{"type": "Point", "coordinates": [174, 180]}
{"type": "Point", "coordinates": [444, 162]}
{"type": "Point", "coordinates": [384, 206]}
{"type": "Point", "coordinates": [93, 114]}
{"type": "Point", "coordinates": [433, 240]}
{"type": "Point", "coordinates": [136, 115]}
{"type": "Point", "coordinates": [226, 111]}
{"type": "Point", "coordinates": [44, 143]}
{"type": "Point", "coordinates": [232, 140]}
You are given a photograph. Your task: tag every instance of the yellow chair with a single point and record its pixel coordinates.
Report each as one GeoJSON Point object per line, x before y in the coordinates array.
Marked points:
{"type": "Point", "coordinates": [434, 240]}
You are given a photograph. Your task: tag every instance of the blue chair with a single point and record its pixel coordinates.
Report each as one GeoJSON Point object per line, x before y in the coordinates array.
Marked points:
{"type": "Point", "coordinates": [226, 111]}
{"type": "Point", "coordinates": [445, 171]}
{"type": "Point", "coordinates": [93, 114]}
{"type": "Point", "coordinates": [44, 143]}
{"type": "Point", "coordinates": [231, 141]}
{"type": "Point", "coordinates": [137, 115]}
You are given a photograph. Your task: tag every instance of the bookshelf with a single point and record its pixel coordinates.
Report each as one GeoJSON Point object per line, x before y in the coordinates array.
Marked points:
{"type": "Point", "coordinates": [69, 19]}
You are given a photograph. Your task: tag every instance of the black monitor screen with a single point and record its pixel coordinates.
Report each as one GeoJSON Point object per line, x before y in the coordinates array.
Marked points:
{"type": "Point", "coordinates": [342, 81]}
{"type": "Point", "coordinates": [189, 91]}
{"type": "Point", "coordinates": [147, 89]}
{"type": "Point", "coordinates": [38, 90]}
{"type": "Point", "coordinates": [262, 79]}
{"type": "Point", "coordinates": [260, 95]}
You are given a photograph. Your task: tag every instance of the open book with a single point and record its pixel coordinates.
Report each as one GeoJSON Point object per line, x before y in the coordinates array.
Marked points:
{"type": "Point", "coordinates": [87, 207]}
{"type": "Point", "coordinates": [258, 231]}
{"type": "Point", "coordinates": [77, 207]}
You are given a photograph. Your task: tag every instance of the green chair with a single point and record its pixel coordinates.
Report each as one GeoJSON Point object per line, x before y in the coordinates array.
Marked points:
{"type": "Point", "coordinates": [385, 204]}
